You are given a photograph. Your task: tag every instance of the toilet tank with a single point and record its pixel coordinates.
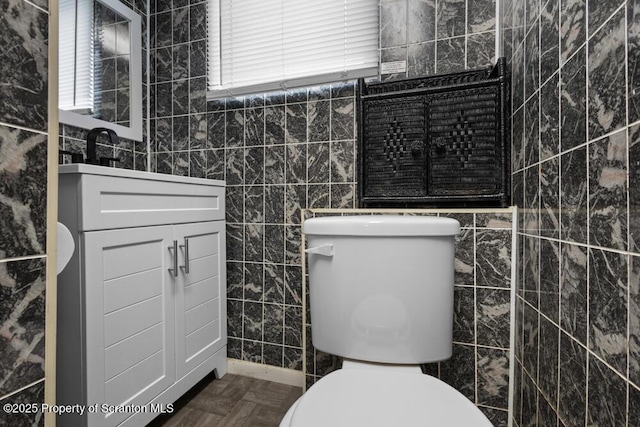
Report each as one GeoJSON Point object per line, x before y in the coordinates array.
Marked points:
{"type": "Point", "coordinates": [381, 286]}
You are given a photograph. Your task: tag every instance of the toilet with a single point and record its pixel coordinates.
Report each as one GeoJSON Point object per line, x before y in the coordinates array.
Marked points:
{"type": "Point", "coordinates": [381, 297]}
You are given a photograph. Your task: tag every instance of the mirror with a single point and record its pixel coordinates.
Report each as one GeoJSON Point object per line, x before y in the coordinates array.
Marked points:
{"type": "Point", "coordinates": [100, 66]}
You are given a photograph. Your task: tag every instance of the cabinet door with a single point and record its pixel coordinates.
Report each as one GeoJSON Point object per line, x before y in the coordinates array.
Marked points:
{"type": "Point", "coordinates": [201, 326]}
{"type": "Point", "coordinates": [129, 318]}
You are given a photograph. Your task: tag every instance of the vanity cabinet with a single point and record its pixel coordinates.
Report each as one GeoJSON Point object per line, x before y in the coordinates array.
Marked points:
{"type": "Point", "coordinates": [142, 304]}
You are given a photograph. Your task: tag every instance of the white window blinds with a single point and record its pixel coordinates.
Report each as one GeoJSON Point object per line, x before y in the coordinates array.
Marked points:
{"type": "Point", "coordinates": [261, 45]}
{"type": "Point", "coordinates": [77, 43]}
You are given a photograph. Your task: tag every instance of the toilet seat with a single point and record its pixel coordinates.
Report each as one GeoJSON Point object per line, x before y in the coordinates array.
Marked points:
{"type": "Point", "coordinates": [356, 397]}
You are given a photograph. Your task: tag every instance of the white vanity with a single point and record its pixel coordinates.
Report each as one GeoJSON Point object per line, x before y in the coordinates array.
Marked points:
{"type": "Point", "coordinates": [142, 303]}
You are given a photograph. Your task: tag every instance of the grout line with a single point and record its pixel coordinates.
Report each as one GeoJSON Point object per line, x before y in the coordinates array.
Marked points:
{"type": "Point", "coordinates": [23, 258]}
{"type": "Point", "coordinates": [475, 310]}
{"type": "Point", "coordinates": [14, 392]}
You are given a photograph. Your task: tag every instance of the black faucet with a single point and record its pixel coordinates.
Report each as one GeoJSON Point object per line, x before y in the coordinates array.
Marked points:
{"type": "Point", "coordinates": [92, 157]}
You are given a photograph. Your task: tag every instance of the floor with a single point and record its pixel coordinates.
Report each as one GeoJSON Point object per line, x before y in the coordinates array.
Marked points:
{"type": "Point", "coordinates": [231, 401]}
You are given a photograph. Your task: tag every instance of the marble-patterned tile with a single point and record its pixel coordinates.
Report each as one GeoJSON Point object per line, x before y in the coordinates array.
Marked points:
{"type": "Point", "coordinates": [634, 320]}
{"type": "Point", "coordinates": [253, 101]}
{"type": "Point", "coordinates": [573, 196]}
{"type": "Point", "coordinates": [573, 102]}
{"type": "Point", "coordinates": [634, 188]}
{"type": "Point", "coordinates": [463, 315]}
{"type": "Point", "coordinates": [253, 242]}
{"type": "Point", "coordinates": [466, 220]}
{"type": "Point", "coordinates": [292, 358]}
{"type": "Point", "coordinates": [450, 20]}
{"type": "Point", "coordinates": [26, 397]}
{"type": "Point", "coordinates": [517, 144]}
{"type": "Point", "coordinates": [215, 164]}
{"type": "Point", "coordinates": [216, 129]}
{"type": "Point", "coordinates": [319, 93]}
{"type": "Point", "coordinates": [274, 243]}
{"type": "Point", "coordinates": [274, 210]}
{"type": "Point", "coordinates": [295, 201]}
{"type": "Point", "coordinates": [254, 169]}
{"type": "Point", "coordinates": [481, 16]}
{"type": "Point", "coordinates": [234, 173]}
{"type": "Point", "coordinates": [599, 12]}
{"type": "Point", "coordinates": [234, 122]}
{"type": "Point", "coordinates": [274, 283]}
{"type": "Point", "coordinates": [198, 58]}
{"type": "Point", "coordinates": [22, 292]}
{"type": "Point", "coordinates": [197, 163]}
{"type": "Point", "coordinates": [342, 119]}
{"type": "Point", "coordinates": [531, 337]}
{"type": "Point", "coordinates": [234, 204]}
{"type": "Point", "coordinates": [252, 351]}
{"type": "Point", "coordinates": [296, 123]}
{"type": "Point", "coordinates": [235, 280]}
{"type": "Point", "coordinates": [549, 343]}
{"type": "Point", "coordinates": [464, 262]}
{"type": "Point", "coordinates": [24, 65]}
{"type": "Point", "coordinates": [608, 192]}
{"type": "Point", "coordinates": [343, 196]}
{"type": "Point", "coordinates": [235, 242]}
{"type": "Point", "coordinates": [318, 162]}
{"type": "Point", "coordinates": [493, 377]}
{"type": "Point", "coordinates": [254, 204]}
{"type": "Point", "coordinates": [391, 55]}
{"type": "Point", "coordinates": [573, 292]}
{"type": "Point", "coordinates": [342, 161]}
{"type": "Point", "coordinates": [500, 220]}
{"type": "Point", "coordinates": [459, 371]}
{"type": "Point", "coordinates": [550, 278]}
{"type": "Point", "coordinates": [549, 39]}
{"type": "Point", "coordinates": [252, 320]}
{"type": "Point", "coordinates": [293, 326]}
{"type": "Point", "coordinates": [531, 131]}
{"type": "Point", "coordinates": [180, 133]}
{"type": "Point", "coordinates": [343, 89]}
{"type": "Point", "coordinates": [606, 74]}
{"type": "Point", "coordinates": [272, 354]}
{"type": "Point", "coordinates": [180, 25]}
{"type": "Point", "coordinates": [546, 414]}
{"type": "Point", "coordinates": [572, 381]}
{"type": "Point", "coordinates": [318, 196]}
{"type": "Point", "coordinates": [450, 55]}
{"type": "Point", "coordinates": [572, 27]}
{"type": "Point", "coordinates": [608, 307]}
{"type": "Point", "coordinates": [550, 198]}
{"type": "Point", "coordinates": [197, 21]}
{"type": "Point", "coordinates": [421, 59]}
{"type": "Point", "coordinates": [633, 60]}
{"type": "Point", "coordinates": [319, 115]}
{"type": "Point", "coordinates": [393, 23]}
{"type": "Point", "coordinates": [326, 363]}
{"type": "Point", "coordinates": [421, 21]}
{"type": "Point", "coordinates": [234, 348]}
{"type": "Point", "coordinates": [293, 285]}
{"type": "Point", "coordinates": [481, 50]}
{"type": "Point", "coordinates": [607, 396]}
{"type": "Point", "coordinates": [180, 97]}
{"type": "Point", "coordinates": [164, 163]}
{"type": "Point", "coordinates": [531, 214]}
{"type": "Point", "coordinates": [253, 282]}
{"type": "Point", "coordinates": [497, 417]}
{"type": "Point", "coordinates": [517, 77]}
{"type": "Point", "coordinates": [293, 235]}
{"type": "Point", "coordinates": [297, 95]}
{"type": "Point", "coordinates": [180, 64]}
{"type": "Point", "coordinates": [274, 323]}
{"type": "Point", "coordinates": [234, 318]}
{"type": "Point", "coordinates": [493, 314]}
{"type": "Point", "coordinates": [517, 395]}
{"type": "Point", "coordinates": [23, 198]}
{"type": "Point", "coordinates": [164, 100]}
{"type": "Point", "coordinates": [197, 138]}
{"type": "Point", "coordinates": [529, 402]}
{"type": "Point", "coordinates": [532, 61]}
{"type": "Point", "coordinates": [296, 163]}
{"type": "Point", "coordinates": [550, 117]}
{"type": "Point", "coordinates": [274, 164]}
{"type": "Point", "coordinates": [254, 126]}
{"type": "Point", "coordinates": [163, 33]}
{"type": "Point", "coordinates": [274, 128]}
{"type": "Point", "coordinates": [493, 258]}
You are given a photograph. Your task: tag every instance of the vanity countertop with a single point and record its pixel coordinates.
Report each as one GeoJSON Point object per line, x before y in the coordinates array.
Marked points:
{"type": "Point", "coordinates": [81, 168]}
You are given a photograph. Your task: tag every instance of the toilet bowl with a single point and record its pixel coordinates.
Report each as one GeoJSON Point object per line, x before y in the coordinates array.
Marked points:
{"type": "Point", "coordinates": [381, 297]}
{"type": "Point", "coordinates": [352, 397]}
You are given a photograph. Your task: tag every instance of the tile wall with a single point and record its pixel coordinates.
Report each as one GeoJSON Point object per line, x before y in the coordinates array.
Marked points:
{"type": "Point", "coordinates": [576, 174]}
{"type": "Point", "coordinates": [479, 366]}
{"type": "Point", "coordinates": [23, 199]}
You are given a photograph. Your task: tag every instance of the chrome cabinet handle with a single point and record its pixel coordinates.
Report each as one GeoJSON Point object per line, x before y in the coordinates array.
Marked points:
{"type": "Point", "coordinates": [174, 248]}
{"type": "Point", "coordinates": [185, 267]}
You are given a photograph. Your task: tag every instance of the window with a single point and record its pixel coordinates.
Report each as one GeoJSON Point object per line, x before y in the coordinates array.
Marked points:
{"type": "Point", "coordinates": [261, 45]}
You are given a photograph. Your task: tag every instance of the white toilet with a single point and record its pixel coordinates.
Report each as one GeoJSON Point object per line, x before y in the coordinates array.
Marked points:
{"type": "Point", "coordinates": [381, 295]}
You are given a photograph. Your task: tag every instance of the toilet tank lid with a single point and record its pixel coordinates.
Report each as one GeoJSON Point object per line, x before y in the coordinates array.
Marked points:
{"type": "Point", "coordinates": [381, 225]}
